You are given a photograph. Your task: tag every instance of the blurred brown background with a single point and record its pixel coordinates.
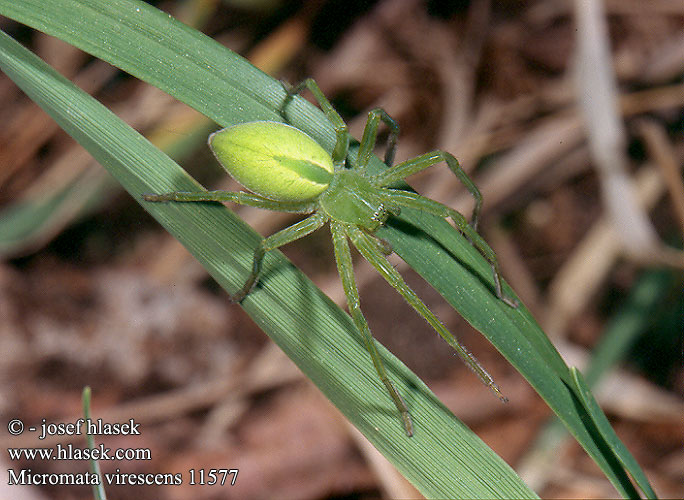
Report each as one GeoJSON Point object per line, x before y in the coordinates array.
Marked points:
{"type": "Point", "coordinates": [575, 139]}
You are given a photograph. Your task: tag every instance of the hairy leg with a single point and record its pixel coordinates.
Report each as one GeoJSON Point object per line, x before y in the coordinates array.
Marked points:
{"type": "Point", "coordinates": [282, 237]}
{"type": "Point", "coordinates": [413, 200]}
{"type": "Point", "coordinates": [239, 197]}
{"type": "Point", "coordinates": [346, 270]}
{"type": "Point", "coordinates": [339, 154]}
{"type": "Point", "coordinates": [427, 160]}
{"type": "Point", "coordinates": [369, 250]}
{"type": "Point", "coordinates": [370, 135]}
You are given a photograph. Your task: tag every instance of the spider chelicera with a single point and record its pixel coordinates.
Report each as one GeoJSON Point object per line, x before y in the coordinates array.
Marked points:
{"type": "Point", "coordinates": [288, 171]}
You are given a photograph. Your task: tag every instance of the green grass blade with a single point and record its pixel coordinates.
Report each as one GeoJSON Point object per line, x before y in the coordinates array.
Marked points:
{"type": "Point", "coordinates": [645, 301]}
{"type": "Point", "coordinates": [607, 433]}
{"type": "Point", "coordinates": [444, 460]}
{"type": "Point", "coordinates": [98, 488]}
{"type": "Point", "coordinates": [216, 82]}
{"type": "Point", "coordinates": [154, 47]}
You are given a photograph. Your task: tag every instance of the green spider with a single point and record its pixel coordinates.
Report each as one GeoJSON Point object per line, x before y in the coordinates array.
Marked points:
{"type": "Point", "coordinates": [288, 171]}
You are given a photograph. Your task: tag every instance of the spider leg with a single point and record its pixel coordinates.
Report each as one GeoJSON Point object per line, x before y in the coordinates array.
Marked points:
{"type": "Point", "coordinates": [282, 237]}
{"type": "Point", "coordinates": [239, 197]}
{"type": "Point", "coordinates": [420, 163]}
{"type": "Point", "coordinates": [413, 200]}
{"type": "Point", "coordinates": [339, 154]}
{"type": "Point", "coordinates": [370, 135]}
{"type": "Point", "coordinates": [369, 250]}
{"type": "Point", "coordinates": [383, 245]}
{"type": "Point", "coordinates": [346, 270]}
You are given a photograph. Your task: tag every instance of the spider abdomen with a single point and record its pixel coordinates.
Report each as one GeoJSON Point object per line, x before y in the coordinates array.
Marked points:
{"type": "Point", "coordinates": [273, 160]}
